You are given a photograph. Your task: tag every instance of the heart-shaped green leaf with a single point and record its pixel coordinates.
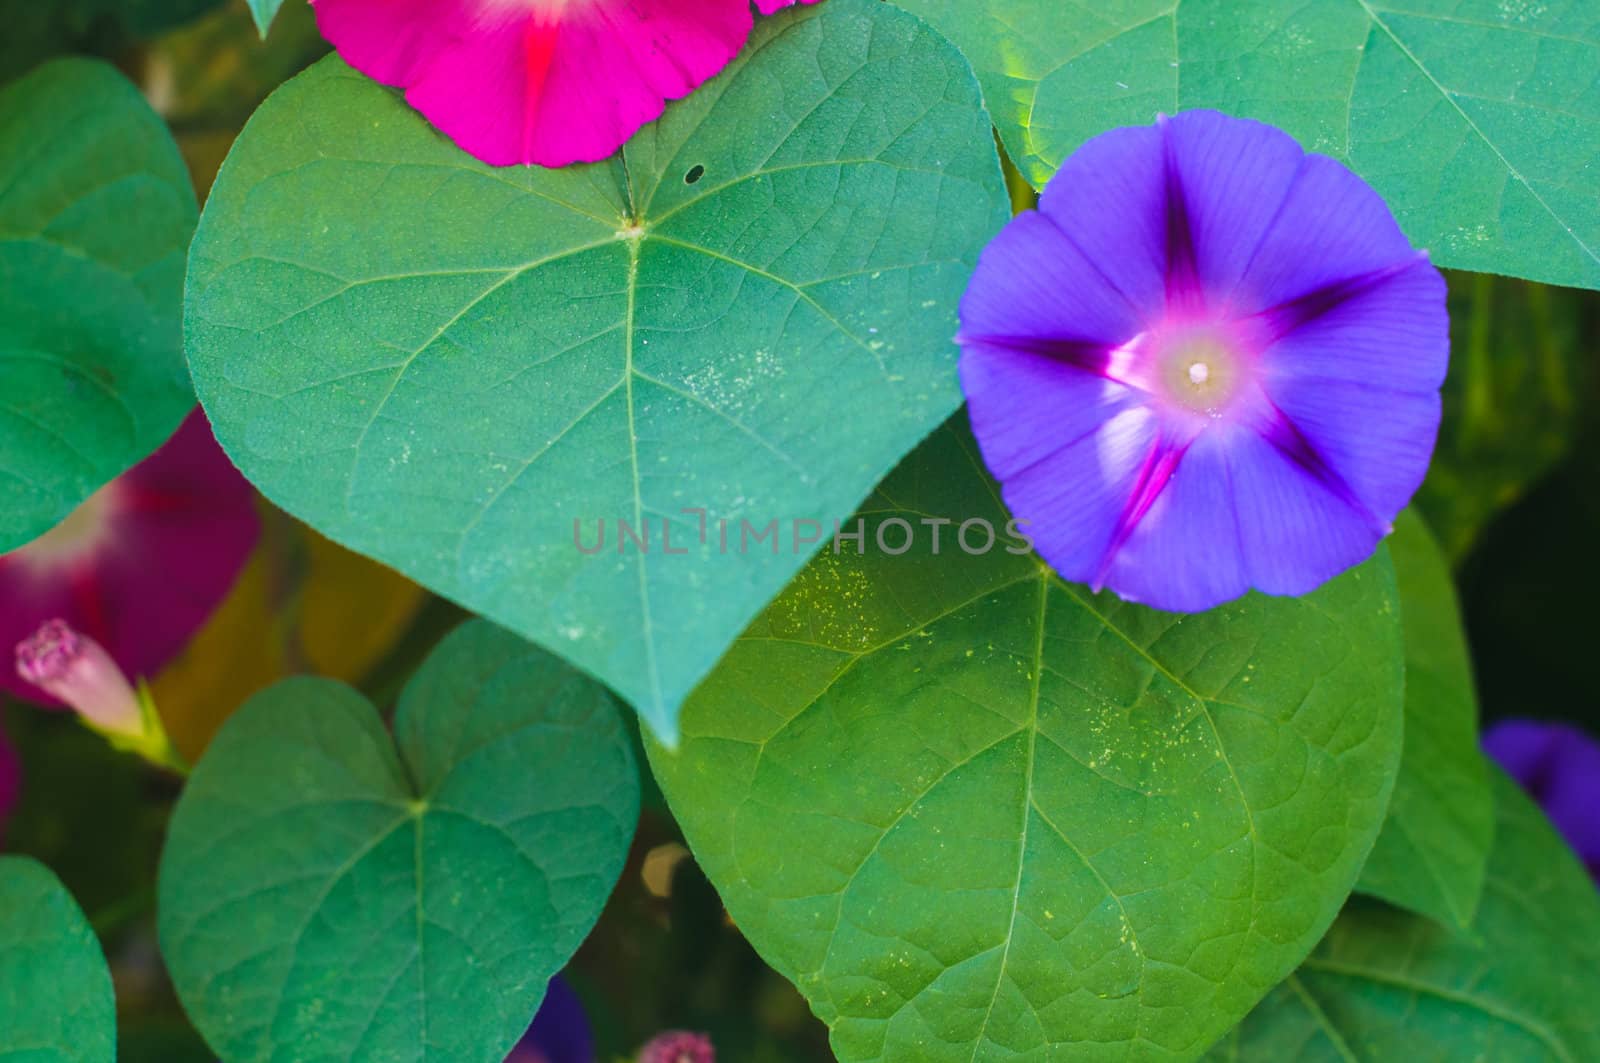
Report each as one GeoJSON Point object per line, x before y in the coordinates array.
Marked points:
{"type": "Point", "coordinates": [1386, 985]}
{"type": "Point", "coordinates": [1431, 853]}
{"type": "Point", "coordinates": [747, 317]}
{"type": "Point", "coordinates": [56, 1004]}
{"type": "Point", "coordinates": [95, 219]}
{"type": "Point", "coordinates": [323, 898]}
{"type": "Point", "coordinates": [977, 813]}
{"type": "Point", "coordinates": [1477, 122]}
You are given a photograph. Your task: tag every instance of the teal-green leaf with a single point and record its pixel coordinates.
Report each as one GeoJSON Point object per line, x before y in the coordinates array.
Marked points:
{"type": "Point", "coordinates": [322, 897]}
{"type": "Point", "coordinates": [1431, 853]}
{"type": "Point", "coordinates": [264, 11]}
{"type": "Point", "coordinates": [1477, 120]}
{"type": "Point", "coordinates": [55, 991]}
{"type": "Point", "coordinates": [1387, 985]}
{"type": "Point", "coordinates": [95, 219]}
{"type": "Point", "coordinates": [977, 813]}
{"type": "Point", "coordinates": [451, 367]}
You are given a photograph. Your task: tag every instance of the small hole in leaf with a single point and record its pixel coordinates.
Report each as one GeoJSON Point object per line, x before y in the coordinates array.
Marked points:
{"type": "Point", "coordinates": [694, 175]}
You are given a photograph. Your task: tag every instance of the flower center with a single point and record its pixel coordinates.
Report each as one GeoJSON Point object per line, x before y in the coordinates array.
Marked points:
{"type": "Point", "coordinates": [1199, 369]}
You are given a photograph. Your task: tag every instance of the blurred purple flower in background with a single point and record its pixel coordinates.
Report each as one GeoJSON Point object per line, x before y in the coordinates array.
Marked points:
{"type": "Point", "coordinates": [141, 565]}
{"type": "Point", "coordinates": [1209, 362]}
{"type": "Point", "coordinates": [560, 1032]}
{"type": "Point", "coordinates": [1559, 765]}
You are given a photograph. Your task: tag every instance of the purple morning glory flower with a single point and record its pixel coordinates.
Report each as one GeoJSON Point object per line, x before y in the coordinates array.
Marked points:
{"type": "Point", "coordinates": [140, 565]}
{"type": "Point", "coordinates": [1208, 362]}
{"type": "Point", "coordinates": [560, 1032]}
{"type": "Point", "coordinates": [1559, 766]}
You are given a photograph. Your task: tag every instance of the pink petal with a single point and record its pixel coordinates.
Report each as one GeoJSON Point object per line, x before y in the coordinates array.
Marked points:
{"type": "Point", "coordinates": [513, 83]}
{"type": "Point", "coordinates": [168, 541]}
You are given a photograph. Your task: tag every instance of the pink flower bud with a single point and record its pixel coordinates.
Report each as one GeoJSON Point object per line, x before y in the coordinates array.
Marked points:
{"type": "Point", "coordinates": [74, 668]}
{"type": "Point", "coordinates": [676, 1046]}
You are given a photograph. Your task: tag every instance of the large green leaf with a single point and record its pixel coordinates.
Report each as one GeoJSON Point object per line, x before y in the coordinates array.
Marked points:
{"type": "Point", "coordinates": [56, 1004]}
{"type": "Point", "coordinates": [324, 898]}
{"type": "Point", "coordinates": [1431, 853]}
{"type": "Point", "coordinates": [977, 813]}
{"type": "Point", "coordinates": [1477, 120]}
{"type": "Point", "coordinates": [95, 218]}
{"type": "Point", "coordinates": [1386, 985]}
{"type": "Point", "coordinates": [749, 313]}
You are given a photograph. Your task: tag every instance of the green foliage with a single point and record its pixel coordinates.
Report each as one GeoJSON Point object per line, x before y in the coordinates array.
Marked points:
{"type": "Point", "coordinates": [1476, 120]}
{"type": "Point", "coordinates": [94, 224]}
{"type": "Point", "coordinates": [55, 991]}
{"type": "Point", "coordinates": [749, 312]}
{"type": "Point", "coordinates": [1386, 985]}
{"type": "Point", "coordinates": [322, 897]}
{"type": "Point", "coordinates": [1431, 854]}
{"type": "Point", "coordinates": [1519, 392]}
{"type": "Point", "coordinates": [35, 31]}
{"type": "Point", "coordinates": [977, 813]}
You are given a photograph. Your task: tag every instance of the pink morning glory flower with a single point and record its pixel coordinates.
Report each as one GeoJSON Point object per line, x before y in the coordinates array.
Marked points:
{"type": "Point", "coordinates": [1559, 766]}
{"type": "Point", "coordinates": [1209, 362]}
{"type": "Point", "coordinates": [678, 1046]}
{"type": "Point", "coordinates": [140, 565]}
{"type": "Point", "coordinates": [550, 82]}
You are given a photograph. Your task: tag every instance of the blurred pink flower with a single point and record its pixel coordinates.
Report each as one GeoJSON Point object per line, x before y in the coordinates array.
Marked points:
{"type": "Point", "coordinates": [141, 565]}
{"type": "Point", "coordinates": [678, 1046]}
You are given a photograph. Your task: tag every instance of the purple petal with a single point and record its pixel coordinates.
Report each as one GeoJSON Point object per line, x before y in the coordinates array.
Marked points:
{"type": "Point", "coordinates": [1381, 458]}
{"type": "Point", "coordinates": [1294, 531]}
{"type": "Point", "coordinates": [1559, 765]}
{"type": "Point", "coordinates": [1394, 335]}
{"type": "Point", "coordinates": [1109, 200]}
{"type": "Point", "coordinates": [170, 537]}
{"type": "Point", "coordinates": [1072, 498]}
{"type": "Point", "coordinates": [1526, 749]}
{"type": "Point", "coordinates": [1032, 285]}
{"type": "Point", "coordinates": [1186, 553]}
{"type": "Point", "coordinates": [560, 1032]}
{"type": "Point", "coordinates": [1330, 228]}
{"type": "Point", "coordinates": [1234, 175]}
{"type": "Point", "coordinates": [1026, 409]}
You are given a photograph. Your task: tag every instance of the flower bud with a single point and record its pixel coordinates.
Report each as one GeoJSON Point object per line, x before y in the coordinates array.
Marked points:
{"type": "Point", "coordinates": [75, 669]}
